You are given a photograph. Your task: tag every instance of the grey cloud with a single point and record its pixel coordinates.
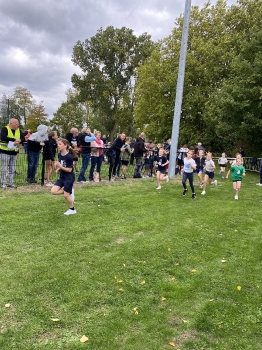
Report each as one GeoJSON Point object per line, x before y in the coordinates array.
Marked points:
{"type": "Point", "coordinates": [37, 37]}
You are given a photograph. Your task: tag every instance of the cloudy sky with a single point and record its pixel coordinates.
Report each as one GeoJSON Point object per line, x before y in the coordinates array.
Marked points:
{"type": "Point", "coordinates": [37, 37]}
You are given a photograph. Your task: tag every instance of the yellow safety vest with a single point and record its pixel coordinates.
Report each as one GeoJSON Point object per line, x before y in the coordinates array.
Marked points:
{"type": "Point", "coordinates": [3, 144]}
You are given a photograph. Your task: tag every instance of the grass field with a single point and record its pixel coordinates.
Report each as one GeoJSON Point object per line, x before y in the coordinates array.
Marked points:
{"type": "Point", "coordinates": [135, 269]}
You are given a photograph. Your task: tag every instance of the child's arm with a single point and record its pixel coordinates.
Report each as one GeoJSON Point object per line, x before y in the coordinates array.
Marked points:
{"type": "Point", "coordinates": [60, 167]}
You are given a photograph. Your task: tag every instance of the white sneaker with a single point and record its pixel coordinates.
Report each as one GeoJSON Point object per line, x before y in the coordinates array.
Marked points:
{"type": "Point", "coordinates": [158, 188]}
{"type": "Point", "coordinates": [72, 195]}
{"type": "Point", "coordinates": [70, 212]}
{"type": "Point", "coordinates": [215, 183]}
{"type": "Point", "coordinates": [49, 184]}
{"type": "Point", "coordinates": [167, 178]}
{"type": "Point", "coordinates": [236, 196]}
{"type": "Point", "coordinates": [259, 184]}
{"type": "Point", "coordinates": [203, 192]}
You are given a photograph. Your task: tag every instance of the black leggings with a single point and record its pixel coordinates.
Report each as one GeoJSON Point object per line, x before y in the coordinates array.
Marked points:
{"type": "Point", "coordinates": [190, 177]}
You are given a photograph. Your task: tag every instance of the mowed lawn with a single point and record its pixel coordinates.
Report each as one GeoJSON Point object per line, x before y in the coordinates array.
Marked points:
{"type": "Point", "coordinates": [135, 269]}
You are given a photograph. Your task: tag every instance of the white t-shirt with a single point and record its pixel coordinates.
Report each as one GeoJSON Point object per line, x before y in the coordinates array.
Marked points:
{"type": "Point", "coordinates": [222, 160]}
{"type": "Point", "coordinates": [210, 165]}
{"type": "Point", "coordinates": [187, 167]}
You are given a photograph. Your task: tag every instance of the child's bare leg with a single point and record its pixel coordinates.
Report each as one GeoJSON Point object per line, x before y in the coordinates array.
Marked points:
{"type": "Point", "coordinates": [68, 199]}
{"type": "Point", "coordinates": [57, 190]}
{"type": "Point", "coordinates": [205, 182]}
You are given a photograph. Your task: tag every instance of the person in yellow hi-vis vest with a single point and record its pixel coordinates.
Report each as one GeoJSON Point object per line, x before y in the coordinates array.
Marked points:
{"type": "Point", "coordinates": [10, 137]}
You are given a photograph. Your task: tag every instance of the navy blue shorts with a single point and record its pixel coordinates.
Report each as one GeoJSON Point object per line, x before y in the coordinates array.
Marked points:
{"type": "Point", "coordinates": [68, 185]}
{"type": "Point", "coordinates": [210, 174]}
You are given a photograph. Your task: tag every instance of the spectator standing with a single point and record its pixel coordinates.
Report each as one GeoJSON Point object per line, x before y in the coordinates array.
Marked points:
{"type": "Point", "coordinates": [35, 145]}
{"type": "Point", "coordinates": [85, 138]}
{"type": "Point", "coordinates": [132, 146]}
{"type": "Point", "coordinates": [49, 155]}
{"type": "Point", "coordinates": [260, 174]}
{"type": "Point", "coordinates": [96, 156]}
{"type": "Point", "coordinates": [11, 137]}
{"type": "Point", "coordinates": [114, 155]}
{"type": "Point", "coordinates": [26, 135]}
{"type": "Point", "coordinates": [72, 138]}
{"type": "Point", "coordinates": [139, 150]}
{"type": "Point", "coordinates": [125, 156]}
{"type": "Point", "coordinates": [241, 151]}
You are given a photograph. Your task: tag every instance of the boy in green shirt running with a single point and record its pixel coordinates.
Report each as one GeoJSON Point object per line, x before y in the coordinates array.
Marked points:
{"type": "Point", "coordinates": [237, 173]}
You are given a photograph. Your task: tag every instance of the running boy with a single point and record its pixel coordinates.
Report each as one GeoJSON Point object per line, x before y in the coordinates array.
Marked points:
{"type": "Point", "coordinates": [209, 174]}
{"type": "Point", "coordinates": [237, 173]}
{"type": "Point", "coordinates": [161, 162]}
{"type": "Point", "coordinates": [189, 167]}
{"type": "Point", "coordinates": [64, 166]}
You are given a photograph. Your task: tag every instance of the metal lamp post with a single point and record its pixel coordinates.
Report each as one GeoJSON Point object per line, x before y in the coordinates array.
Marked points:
{"type": "Point", "coordinates": [179, 91]}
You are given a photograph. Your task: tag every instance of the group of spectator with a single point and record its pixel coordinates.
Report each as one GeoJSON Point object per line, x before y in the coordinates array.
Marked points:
{"type": "Point", "coordinates": [92, 147]}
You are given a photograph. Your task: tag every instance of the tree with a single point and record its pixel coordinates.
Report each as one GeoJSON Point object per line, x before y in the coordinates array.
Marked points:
{"type": "Point", "coordinates": [36, 117]}
{"type": "Point", "coordinates": [23, 103]}
{"type": "Point", "coordinates": [109, 61]}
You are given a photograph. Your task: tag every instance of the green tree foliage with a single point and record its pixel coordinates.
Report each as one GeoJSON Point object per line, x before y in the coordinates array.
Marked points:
{"type": "Point", "coordinates": [36, 117]}
{"type": "Point", "coordinates": [222, 89]}
{"type": "Point", "coordinates": [109, 61]}
{"type": "Point", "coordinates": [208, 60]}
{"type": "Point", "coordinates": [72, 113]}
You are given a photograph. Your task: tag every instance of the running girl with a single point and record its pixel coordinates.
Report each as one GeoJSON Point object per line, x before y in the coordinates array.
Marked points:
{"type": "Point", "coordinates": [209, 174]}
{"type": "Point", "coordinates": [161, 162]}
{"type": "Point", "coordinates": [189, 167]}
{"type": "Point", "coordinates": [64, 166]}
{"type": "Point", "coordinates": [237, 173]}
{"type": "Point", "coordinates": [238, 156]}
{"type": "Point", "coordinates": [222, 161]}
{"type": "Point", "coordinates": [200, 163]}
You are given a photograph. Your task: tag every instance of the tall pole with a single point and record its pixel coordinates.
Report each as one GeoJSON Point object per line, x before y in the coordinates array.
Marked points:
{"type": "Point", "coordinates": [8, 110]}
{"type": "Point", "coordinates": [179, 91]}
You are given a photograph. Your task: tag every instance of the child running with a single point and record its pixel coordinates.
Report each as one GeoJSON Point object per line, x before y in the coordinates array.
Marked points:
{"type": "Point", "coordinates": [234, 162]}
{"type": "Point", "coordinates": [209, 174]}
{"type": "Point", "coordinates": [222, 161]}
{"type": "Point", "coordinates": [200, 163]}
{"type": "Point", "coordinates": [237, 173]}
{"type": "Point", "coordinates": [161, 162]}
{"type": "Point", "coordinates": [189, 167]}
{"type": "Point", "coordinates": [64, 185]}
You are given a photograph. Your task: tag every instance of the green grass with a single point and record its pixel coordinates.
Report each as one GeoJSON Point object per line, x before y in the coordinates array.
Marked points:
{"type": "Point", "coordinates": [72, 268]}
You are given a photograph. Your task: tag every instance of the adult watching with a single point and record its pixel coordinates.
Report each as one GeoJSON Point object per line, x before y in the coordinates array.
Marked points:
{"type": "Point", "coordinates": [11, 137]}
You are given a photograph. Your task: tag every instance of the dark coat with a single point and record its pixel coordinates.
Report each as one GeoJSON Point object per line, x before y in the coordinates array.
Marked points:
{"type": "Point", "coordinates": [139, 148]}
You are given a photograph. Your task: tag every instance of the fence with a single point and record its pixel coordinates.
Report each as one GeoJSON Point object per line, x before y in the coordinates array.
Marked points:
{"type": "Point", "coordinates": [251, 164]}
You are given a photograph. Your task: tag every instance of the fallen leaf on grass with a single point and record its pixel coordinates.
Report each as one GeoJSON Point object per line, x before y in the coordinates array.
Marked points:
{"type": "Point", "coordinates": [136, 312]}
{"type": "Point", "coordinates": [238, 287]}
{"type": "Point", "coordinates": [185, 321]}
{"type": "Point", "coordinates": [177, 264]}
{"type": "Point", "coordinates": [55, 319]}
{"type": "Point", "coordinates": [171, 343]}
{"type": "Point", "coordinates": [120, 281]}
{"type": "Point", "coordinates": [143, 282]}
{"type": "Point", "coordinates": [173, 278]}
{"type": "Point", "coordinates": [7, 305]}
{"type": "Point", "coordinates": [124, 265]}
{"type": "Point", "coordinates": [193, 271]}
{"type": "Point", "coordinates": [169, 249]}
{"type": "Point", "coordinates": [163, 298]}
{"type": "Point", "coordinates": [121, 289]}
{"type": "Point", "coordinates": [223, 260]}
{"type": "Point", "coordinates": [83, 339]}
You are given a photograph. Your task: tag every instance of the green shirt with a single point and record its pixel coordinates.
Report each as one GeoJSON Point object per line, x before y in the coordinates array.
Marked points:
{"type": "Point", "coordinates": [237, 172]}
